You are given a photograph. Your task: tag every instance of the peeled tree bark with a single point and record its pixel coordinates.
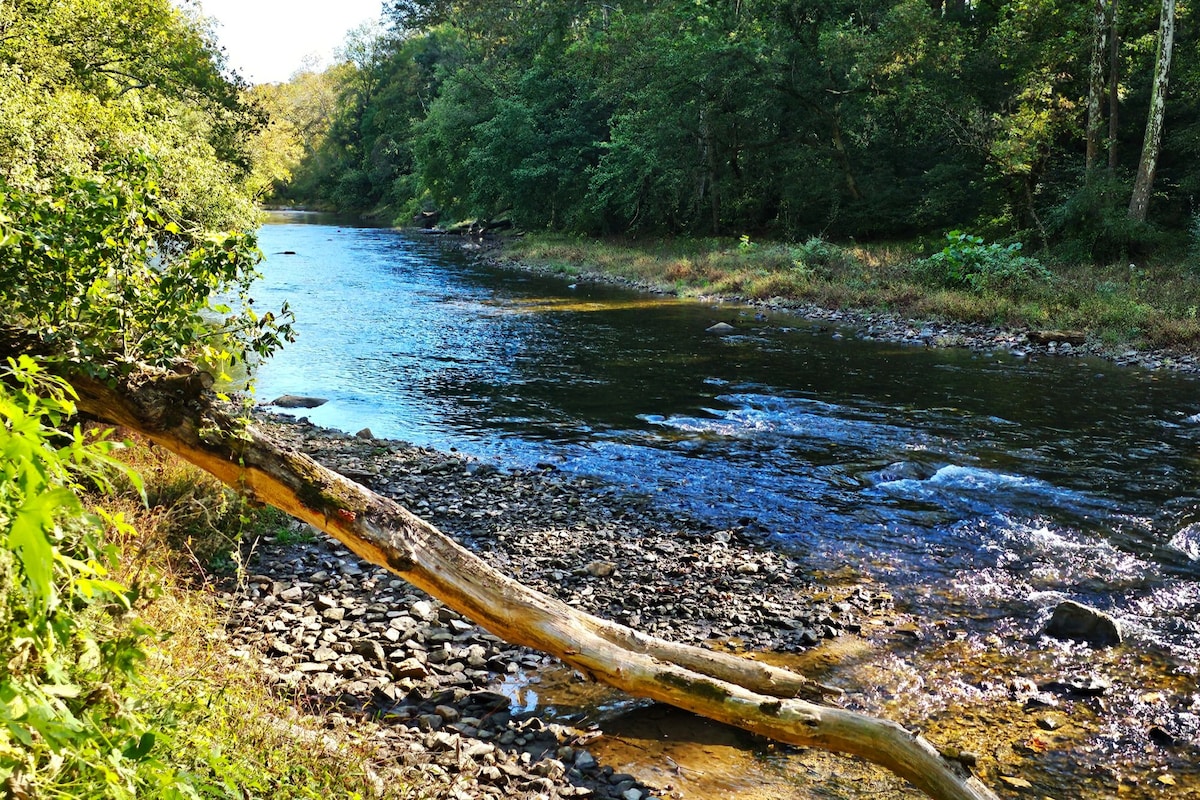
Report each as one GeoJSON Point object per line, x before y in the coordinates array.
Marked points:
{"type": "Point", "coordinates": [175, 410]}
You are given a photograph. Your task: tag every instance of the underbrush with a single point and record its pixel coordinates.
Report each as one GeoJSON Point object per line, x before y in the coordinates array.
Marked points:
{"type": "Point", "coordinates": [1155, 305]}
{"type": "Point", "coordinates": [118, 680]}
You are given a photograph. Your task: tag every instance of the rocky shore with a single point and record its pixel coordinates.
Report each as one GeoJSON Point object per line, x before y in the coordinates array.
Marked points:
{"type": "Point", "coordinates": [437, 692]}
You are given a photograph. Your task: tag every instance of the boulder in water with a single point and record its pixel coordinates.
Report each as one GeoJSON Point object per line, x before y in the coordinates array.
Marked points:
{"type": "Point", "coordinates": [720, 328]}
{"type": "Point", "coordinates": [1187, 541]}
{"type": "Point", "coordinates": [297, 401]}
{"type": "Point", "coordinates": [903, 471]}
{"type": "Point", "coordinates": [1082, 623]}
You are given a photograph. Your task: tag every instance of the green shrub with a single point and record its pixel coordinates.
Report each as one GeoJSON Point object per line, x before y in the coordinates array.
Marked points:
{"type": "Point", "coordinates": [70, 639]}
{"type": "Point", "coordinates": [823, 258]}
{"type": "Point", "coordinates": [967, 263]}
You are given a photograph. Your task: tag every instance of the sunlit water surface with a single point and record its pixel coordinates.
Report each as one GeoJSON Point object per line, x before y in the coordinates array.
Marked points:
{"type": "Point", "coordinates": [1031, 481]}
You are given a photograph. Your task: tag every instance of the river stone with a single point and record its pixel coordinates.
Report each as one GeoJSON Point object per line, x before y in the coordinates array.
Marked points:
{"type": "Point", "coordinates": [601, 569]}
{"type": "Point", "coordinates": [1082, 623]}
{"type": "Point", "coordinates": [903, 471]}
{"type": "Point", "coordinates": [1187, 540]}
{"type": "Point", "coordinates": [720, 328]}
{"type": "Point", "coordinates": [297, 401]}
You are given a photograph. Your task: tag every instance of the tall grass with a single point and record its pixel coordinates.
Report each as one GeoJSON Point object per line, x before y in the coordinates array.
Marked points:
{"type": "Point", "coordinates": [232, 735]}
{"type": "Point", "coordinates": [1150, 305]}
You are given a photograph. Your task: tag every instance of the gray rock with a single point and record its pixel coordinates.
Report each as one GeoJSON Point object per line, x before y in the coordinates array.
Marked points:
{"type": "Point", "coordinates": [297, 401]}
{"type": "Point", "coordinates": [721, 328]}
{"type": "Point", "coordinates": [365, 433]}
{"type": "Point", "coordinates": [601, 569]}
{"type": "Point", "coordinates": [902, 471]}
{"type": "Point", "coordinates": [1082, 623]}
{"type": "Point", "coordinates": [409, 668]}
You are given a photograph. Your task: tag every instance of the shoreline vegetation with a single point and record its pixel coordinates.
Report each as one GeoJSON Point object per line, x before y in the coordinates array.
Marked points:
{"type": "Point", "coordinates": [1146, 315]}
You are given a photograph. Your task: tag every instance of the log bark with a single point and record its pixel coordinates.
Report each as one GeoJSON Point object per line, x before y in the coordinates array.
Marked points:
{"type": "Point", "coordinates": [176, 411]}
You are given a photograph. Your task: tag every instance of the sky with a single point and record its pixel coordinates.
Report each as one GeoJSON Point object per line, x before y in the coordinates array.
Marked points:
{"type": "Point", "coordinates": [268, 40]}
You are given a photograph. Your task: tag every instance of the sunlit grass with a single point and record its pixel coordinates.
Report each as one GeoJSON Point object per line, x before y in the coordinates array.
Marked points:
{"type": "Point", "coordinates": [233, 734]}
{"type": "Point", "coordinates": [1150, 306]}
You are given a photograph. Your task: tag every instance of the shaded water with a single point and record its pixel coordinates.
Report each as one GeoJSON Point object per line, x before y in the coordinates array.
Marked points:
{"type": "Point", "coordinates": [1038, 480]}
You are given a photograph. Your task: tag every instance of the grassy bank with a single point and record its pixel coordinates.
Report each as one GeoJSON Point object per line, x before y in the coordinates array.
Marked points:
{"type": "Point", "coordinates": [224, 731]}
{"type": "Point", "coordinates": [1145, 305]}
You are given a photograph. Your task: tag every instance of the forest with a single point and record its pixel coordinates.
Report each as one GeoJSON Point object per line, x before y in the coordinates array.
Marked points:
{"type": "Point", "coordinates": [1071, 127]}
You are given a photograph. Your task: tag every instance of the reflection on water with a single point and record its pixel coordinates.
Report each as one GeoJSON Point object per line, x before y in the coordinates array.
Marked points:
{"type": "Point", "coordinates": [1007, 484]}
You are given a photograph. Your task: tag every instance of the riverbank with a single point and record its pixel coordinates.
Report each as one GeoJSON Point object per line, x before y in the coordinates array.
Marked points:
{"type": "Point", "coordinates": [455, 704]}
{"type": "Point", "coordinates": [1144, 316]}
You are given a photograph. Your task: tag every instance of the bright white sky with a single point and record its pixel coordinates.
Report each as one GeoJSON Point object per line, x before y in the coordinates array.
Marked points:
{"type": "Point", "coordinates": [268, 40]}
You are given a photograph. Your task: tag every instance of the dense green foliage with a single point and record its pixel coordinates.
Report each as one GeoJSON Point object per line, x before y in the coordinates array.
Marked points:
{"type": "Point", "coordinates": [966, 262]}
{"type": "Point", "coordinates": [127, 160]}
{"type": "Point", "coordinates": [865, 119]}
{"type": "Point", "coordinates": [68, 725]}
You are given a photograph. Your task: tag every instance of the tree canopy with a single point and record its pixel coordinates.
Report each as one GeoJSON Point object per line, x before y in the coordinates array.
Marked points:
{"type": "Point", "coordinates": [127, 160]}
{"type": "Point", "coordinates": [866, 119]}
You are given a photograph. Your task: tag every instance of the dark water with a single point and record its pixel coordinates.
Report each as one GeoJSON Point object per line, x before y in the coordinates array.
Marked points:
{"type": "Point", "coordinates": [1048, 479]}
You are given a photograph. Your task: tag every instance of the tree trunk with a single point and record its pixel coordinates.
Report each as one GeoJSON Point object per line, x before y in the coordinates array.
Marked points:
{"type": "Point", "coordinates": [1114, 85]}
{"type": "Point", "coordinates": [174, 410]}
{"type": "Point", "coordinates": [1096, 87]}
{"type": "Point", "coordinates": [1140, 201]}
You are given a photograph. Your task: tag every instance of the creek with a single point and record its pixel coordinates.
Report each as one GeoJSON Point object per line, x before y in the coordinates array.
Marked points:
{"type": "Point", "coordinates": [1025, 481]}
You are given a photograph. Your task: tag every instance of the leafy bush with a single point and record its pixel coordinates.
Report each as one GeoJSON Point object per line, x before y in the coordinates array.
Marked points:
{"type": "Point", "coordinates": [71, 643]}
{"type": "Point", "coordinates": [102, 267]}
{"type": "Point", "coordinates": [1092, 224]}
{"type": "Point", "coordinates": [823, 258]}
{"type": "Point", "coordinates": [967, 263]}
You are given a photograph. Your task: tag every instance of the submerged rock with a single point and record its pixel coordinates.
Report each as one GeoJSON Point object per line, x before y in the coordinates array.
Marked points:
{"type": "Point", "coordinates": [902, 471]}
{"type": "Point", "coordinates": [1187, 541]}
{"type": "Point", "coordinates": [297, 401]}
{"type": "Point", "coordinates": [1082, 623]}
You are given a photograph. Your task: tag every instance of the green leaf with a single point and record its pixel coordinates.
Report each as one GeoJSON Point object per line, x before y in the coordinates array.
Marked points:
{"type": "Point", "coordinates": [30, 539]}
{"type": "Point", "coordinates": [141, 748]}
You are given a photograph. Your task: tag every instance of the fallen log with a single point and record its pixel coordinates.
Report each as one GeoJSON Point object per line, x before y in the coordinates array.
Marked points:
{"type": "Point", "coordinates": [177, 411]}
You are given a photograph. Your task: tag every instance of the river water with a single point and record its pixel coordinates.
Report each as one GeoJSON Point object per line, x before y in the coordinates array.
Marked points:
{"type": "Point", "coordinates": [1026, 481]}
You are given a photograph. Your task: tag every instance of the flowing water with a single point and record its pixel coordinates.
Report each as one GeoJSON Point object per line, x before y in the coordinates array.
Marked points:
{"type": "Point", "coordinates": [1021, 482]}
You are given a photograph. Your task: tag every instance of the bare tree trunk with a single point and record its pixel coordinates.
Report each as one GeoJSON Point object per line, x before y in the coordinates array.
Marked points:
{"type": "Point", "coordinates": [1114, 86]}
{"type": "Point", "coordinates": [1140, 201]}
{"type": "Point", "coordinates": [174, 411]}
{"type": "Point", "coordinates": [839, 146]}
{"type": "Point", "coordinates": [1096, 87]}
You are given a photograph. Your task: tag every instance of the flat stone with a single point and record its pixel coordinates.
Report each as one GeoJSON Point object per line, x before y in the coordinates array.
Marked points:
{"type": "Point", "coordinates": [297, 401]}
{"type": "Point", "coordinates": [600, 569]}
